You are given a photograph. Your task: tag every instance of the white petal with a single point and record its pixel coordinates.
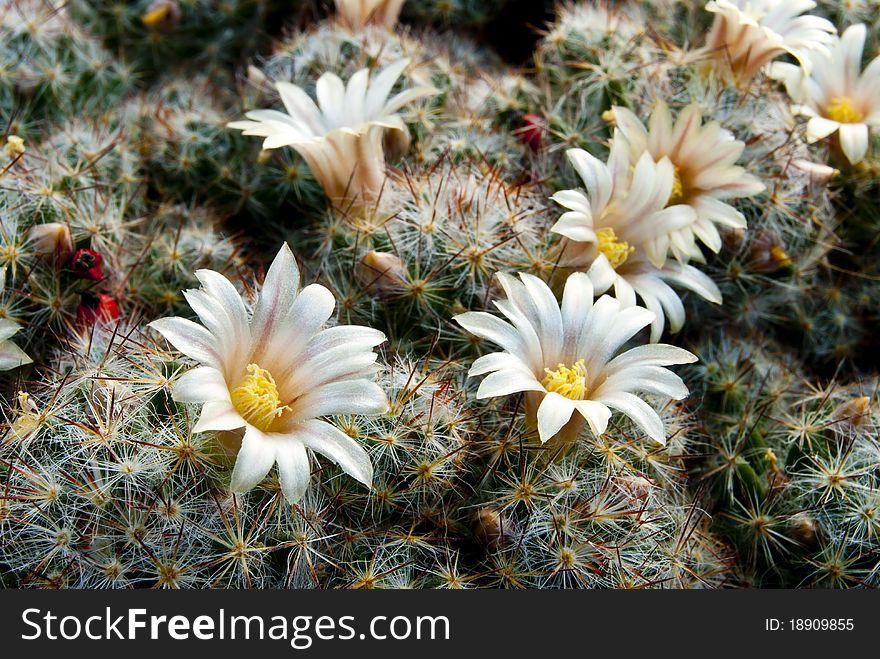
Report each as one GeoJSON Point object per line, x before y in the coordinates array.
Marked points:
{"type": "Point", "coordinates": [11, 356]}
{"type": "Point", "coordinates": [596, 414]}
{"type": "Point", "coordinates": [854, 141]}
{"type": "Point", "coordinates": [294, 471]}
{"type": "Point", "coordinates": [191, 339]}
{"type": "Point", "coordinates": [820, 127]}
{"type": "Point", "coordinates": [492, 328]}
{"type": "Point", "coordinates": [334, 444]}
{"type": "Point", "coordinates": [642, 414]}
{"type": "Point", "coordinates": [553, 413]}
{"type": "Point", "coordinates": [346, 397]}
{"type": "Point", "coordinates": [279, 291]}
{"type": "Point", "coordinates": [506, 382]}
{"type": "Point", "coordinates": [219, 415]}
{"type": "Point", "coordinates": [255, 459]}
{"type": "Point", "coordinates": [200, 385]}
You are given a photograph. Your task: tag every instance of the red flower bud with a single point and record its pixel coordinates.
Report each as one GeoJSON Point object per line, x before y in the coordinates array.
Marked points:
{"type": "Point", "coordinates": [86, 264]}
{"type": "Point", "coordinates": [532, 131]}
{"type": "Point", "coordinates": [95, 307]}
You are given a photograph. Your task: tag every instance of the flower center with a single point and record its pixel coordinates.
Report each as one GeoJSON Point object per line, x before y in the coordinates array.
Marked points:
{"type": "Point", "coordinates": [843, 111]}
{"type": "Point", "coordinates": [677, 194]}
{"type": "Point", "coordinates": [256, 398]}
{"type": "Point", "coordinates": [617, 251]}
{"type": "Point", "coordinates": [568, 382]}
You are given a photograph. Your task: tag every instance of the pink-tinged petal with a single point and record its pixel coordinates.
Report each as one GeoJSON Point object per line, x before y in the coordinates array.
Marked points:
{"type": "Point", "coordinates": [631, 128]}
{"type": "Point", "coordinates": [595, 175]}
{"type": "Point", "coordinates": [346, 397]}
{"type": "Point", "coordinates": [854, 141]}
{"type": "Point", "coordinates": [219, 415]}
{"type": "Point", "coordinates": [642, 414]}
{"type": "Point", "coordinates": [332, 443]}
{"type": "Point", "coordinates": [254, 460]}
{"type": "Point", "coordinates": [200, 385]}
{"type": "Point", "coordinates": [577, 300]}
{"type": "Point", "coordinates": [294, 329]}
{"type": "Point", "coordinates": [191, 339]}
{"type": "Point", "coordinates": [548, 312]}
{"type": "Point", "coordinates": [294, 471]}
{"type": "Point", "coordinates": [496, 361]}
{"type": "Point", "coordinates": [553, 413]}
{"type": "Point", "coordinates": [576, 226]}
{"type": "Point", "coordinates": [278, 294]}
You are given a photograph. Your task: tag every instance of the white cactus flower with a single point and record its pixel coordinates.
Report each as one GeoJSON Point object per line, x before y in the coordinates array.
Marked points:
{"type": "Point", "coordinates": [357, 14]}
{"type": "Point", "coordinates": [621, 231]}
{"type": "Point", "coordinates": [276, 373]}
{"type": "Point", "coordinates": [565, 358]}
{"type": "Point", "coordinates": [703, 156]}
{"type": "Point", "coordinates": [748, 34]}
{"type": "Point", "coordinates": [836, 94]}
{"type": "Point", "coordinates": [11, 356]}
{"type": "Point", "coordinates": [341, 138]}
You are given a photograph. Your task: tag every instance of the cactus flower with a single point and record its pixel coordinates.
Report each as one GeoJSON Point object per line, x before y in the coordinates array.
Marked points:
{"type": "Point", "coordinates": [274, 374]}
{"type": "Point", "coordinates": [748, 34]}
{"type": "Point", "coordinates": [563, 357]}
{"type": "Point", "coordinates": [357, 14]}
{"type": "Point", "coordinates": [621, 231]}
{"type": "Point", "coordinates": [341, 138]}
{"type": "Point", "coordinates": [836, 95]}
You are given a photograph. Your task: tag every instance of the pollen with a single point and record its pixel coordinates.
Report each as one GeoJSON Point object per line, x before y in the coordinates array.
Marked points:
{"type": "Point", "coordinates": [617, 251]}
{"type": "Point", "coordinates": [568, 382]}
{"type": "Point", "coordinates": [257, 400]}
{"type": "Point", "coordinates": [843, 111]}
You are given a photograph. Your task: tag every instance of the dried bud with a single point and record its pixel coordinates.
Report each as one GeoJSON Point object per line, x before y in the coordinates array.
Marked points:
{"type": "Point", "coordinates": [86, 264]}
{"type": "Point", "coordinates": [491, 527]}
{"type": "Point", "coordinates": [766, 252]}
{"type": "Point", "coordinates": [636, 487]}
{"type": "Point", "coordinates": [854, 412]}
{"type": "Point", "coordinates": [96, 307]}
{"type": "Point", "coordinates": [532, 131]}
{"type": "Point", "coordinates": [51, 240]}
{"type": "Point", "coordinates": [162, 15]}
{"type": "Point", "coordinates": [14, 147]}
{"type": "Point", "coordinates": [381, 274]}
{"type": "Point", "coordinates": [803, 529]}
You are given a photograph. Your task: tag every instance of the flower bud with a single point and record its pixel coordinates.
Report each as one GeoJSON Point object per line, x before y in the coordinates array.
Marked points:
{"type": "Point", "coordinates": [491, 527]}
{"type": "Point", "coordinates": [51, 240]}
{"type": "Point", "coordinates": [532, 131]}
{"type": "Point", "coordinates": [381, 274]}
{"type": "Point", "coordinates": [819, 174]}
{"type": "Point", "coordinates": [854, 412]}
{"type": "Point", "coordinates": [766, 252]}
{"type": "Point", "coordinates": [803, 529]}
{"type": "Point", "coordinates": [86, 264]}
{"type": "Point", "coordinates": [94, 308]}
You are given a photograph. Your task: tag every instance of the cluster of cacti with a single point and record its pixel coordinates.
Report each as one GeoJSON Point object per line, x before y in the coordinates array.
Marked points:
{"type": "Point", "coordinates": [291, 299]}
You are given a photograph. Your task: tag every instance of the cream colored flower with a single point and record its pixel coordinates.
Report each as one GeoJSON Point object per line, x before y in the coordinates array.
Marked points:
{"type": "Point", "coordinates": [748, 34]}
{"type": "Point", "coordinates": [341, 138]}
{"type": "Point", "coordinates": [621, 231]}
{"type": "Point", "coordinates": [837, 95]}
{"type": "Point", "coordinates": [703, 157]}
{"type": "Point", "coordinates": [565, 358]}
{"type": "Point", "coordinates": [357, 14]}
{"type": "Point", "coordinates": [276, 373]}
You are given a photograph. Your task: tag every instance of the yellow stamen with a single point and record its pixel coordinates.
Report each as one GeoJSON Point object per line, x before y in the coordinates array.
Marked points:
{"type": "Point", "coordinates": [843, 111]}
{"type": "Point", "coordinates": [158, 15]}
{"type": "Point", "coordinates": [779, 256]}
{"type": "Point", "coordinates": [256, 398]}
{"type": "Point", "coordinates": [617, 251]}
{"type": "Point", "coordinates": [568, 382]}
{"type": "Point", "coordinates": [677, 194]}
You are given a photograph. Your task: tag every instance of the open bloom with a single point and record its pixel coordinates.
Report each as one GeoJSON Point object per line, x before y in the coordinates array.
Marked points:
{"type": "Point", "coordinates": [11, 356]}
{"type": "Point", "coordinates": [703, 157]}
{"type": "Point", "coordinates": [837, 95]}
{"type": "Point", "coordinates": [621, 231]}
{"type": "Point", "coordinates": [563, 357]}
{"type": "Point", "coordinates": [341, 138]}
{"type": "Point", "coordinates": [274, 374]}
{"type": "Point", "coordinates": [748, 34]}
{"type": "Point", "coordinates": [357, 14]}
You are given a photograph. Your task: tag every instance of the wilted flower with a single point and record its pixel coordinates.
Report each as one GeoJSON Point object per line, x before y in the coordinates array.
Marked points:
{"type": "Point", "coordinates": [94, 308]}
{"type": "Point", "coordinates": [87, 264]}
{"type": "Point", "coordinates": [703, 157]}
{"type": "Point", "coordinates": [747, 34]}
{"type": "Point", "coordinates": [563, 358]}
{"type": "Point", "coordinates": [357, 14]}
{"type": "Point", "coordinates": [621, 230]}
{"type": "Point", "coordinates": [836, 94]}
{"type": "Point", "coordinates": [341, 138]}
{"type": "Point", "coordinates": [276, 373]}
{"type": "Point", "coordinates": [11, 356]}
{"type": "Point", "coordinates": [51, 239]}
{"type": "Point", "coordinates": [381, 274]}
